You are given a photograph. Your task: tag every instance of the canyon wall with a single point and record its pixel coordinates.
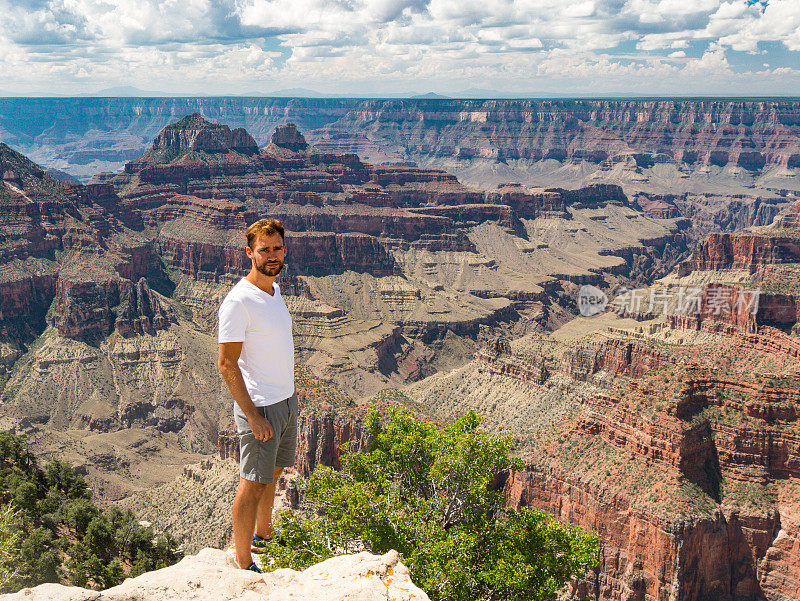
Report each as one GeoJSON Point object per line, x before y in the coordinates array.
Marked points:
{"type": "Point", "coordinates": [749, 134]}
{"type": "Point", "coordinates": [729, 555]}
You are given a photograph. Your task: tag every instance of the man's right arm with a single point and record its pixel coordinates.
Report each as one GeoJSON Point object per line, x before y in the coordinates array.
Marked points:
{"type": "Point", "coordinates": [228, 364]}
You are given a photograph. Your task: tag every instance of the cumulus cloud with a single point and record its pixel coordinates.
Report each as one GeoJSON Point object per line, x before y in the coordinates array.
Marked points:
{"type": "Point", "coordinates": [222, 45]}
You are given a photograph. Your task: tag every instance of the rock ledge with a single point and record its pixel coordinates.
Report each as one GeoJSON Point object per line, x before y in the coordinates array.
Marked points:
{"type": "Point", "coordinates": [211, 575]}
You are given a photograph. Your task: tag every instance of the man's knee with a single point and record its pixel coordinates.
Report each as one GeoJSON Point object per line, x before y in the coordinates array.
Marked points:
{"type": "Point", "coordinates": [251, 489]}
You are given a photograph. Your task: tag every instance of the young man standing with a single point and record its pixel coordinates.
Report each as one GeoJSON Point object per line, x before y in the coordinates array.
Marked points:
{"type": "Point", "coordinates": [256, 360]}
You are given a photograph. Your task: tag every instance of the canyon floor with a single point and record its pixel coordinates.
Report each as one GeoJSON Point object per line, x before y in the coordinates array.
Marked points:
{"type": "Point", "coordinates": [667, 420]}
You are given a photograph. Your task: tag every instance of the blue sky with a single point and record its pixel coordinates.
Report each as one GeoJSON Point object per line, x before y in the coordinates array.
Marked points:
{"type": "Point", "coordinates": [375, 47]}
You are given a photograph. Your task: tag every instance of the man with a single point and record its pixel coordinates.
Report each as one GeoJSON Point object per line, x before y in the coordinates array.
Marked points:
{"type": "Point", "coordinates": [256, 360]}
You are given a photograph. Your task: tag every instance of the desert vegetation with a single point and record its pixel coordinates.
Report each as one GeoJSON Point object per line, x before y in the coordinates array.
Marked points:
{"type": "Point", "coordinates": [52, 531]}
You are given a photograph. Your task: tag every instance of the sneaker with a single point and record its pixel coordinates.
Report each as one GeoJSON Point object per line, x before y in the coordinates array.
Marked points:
{"type": "Point", "coordinates": [254, 568]}
{"type": "Point", "coordinates": [259, 545]}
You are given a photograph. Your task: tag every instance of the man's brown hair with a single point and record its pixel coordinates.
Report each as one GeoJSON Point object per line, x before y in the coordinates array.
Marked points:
{"type": "Point", "coordinates": [263, 227]}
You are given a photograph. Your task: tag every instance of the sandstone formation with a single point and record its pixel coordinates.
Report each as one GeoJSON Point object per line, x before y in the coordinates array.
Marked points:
{"type": "Point", "coordinates": [502, 360]}
{"type": "Point", "coordinates": [715, 132]}
{"type": "Point", "coordinates": [685, 458]}
{"type": "Point", "coordinates": [213, 576]}
{"type": "Point", "coordinates": [743, 251]}
{"type": "Point", "coordinates": [43, 216]}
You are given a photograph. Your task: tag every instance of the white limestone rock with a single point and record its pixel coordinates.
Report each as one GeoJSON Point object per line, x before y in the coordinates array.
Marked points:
{"type": "Point", "coordinates": [53, 592]}
{"type": "Point", "coordinates": [211, 575]}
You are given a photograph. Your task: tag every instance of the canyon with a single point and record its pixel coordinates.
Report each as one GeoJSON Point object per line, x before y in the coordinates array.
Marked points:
{"type": "Point", "coordinates": [720, 162]}
{"type": "Point", "coordinates": [672, 432]}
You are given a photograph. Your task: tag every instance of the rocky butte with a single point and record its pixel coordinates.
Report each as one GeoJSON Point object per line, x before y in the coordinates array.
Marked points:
{"type": "Point", "coordinates": [672, 434]}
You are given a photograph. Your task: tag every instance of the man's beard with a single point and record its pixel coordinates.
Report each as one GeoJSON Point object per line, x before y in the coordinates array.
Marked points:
{"type": "Point", "coordinates": [270, 270]}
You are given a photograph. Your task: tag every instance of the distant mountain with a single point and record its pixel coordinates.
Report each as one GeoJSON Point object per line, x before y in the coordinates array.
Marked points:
{"type": "Point", "coordinates": [430, 96]}
{"type": "Point", "coordinates": [298, 93]}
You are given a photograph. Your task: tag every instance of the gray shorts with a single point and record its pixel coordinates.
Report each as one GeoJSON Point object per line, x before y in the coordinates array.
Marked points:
{"type": "Point", "coordinates": [258, 459]}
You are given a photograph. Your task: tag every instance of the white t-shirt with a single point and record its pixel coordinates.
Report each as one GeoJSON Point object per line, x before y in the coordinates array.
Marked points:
{"type": "Point", "coordinates": [262, 322]}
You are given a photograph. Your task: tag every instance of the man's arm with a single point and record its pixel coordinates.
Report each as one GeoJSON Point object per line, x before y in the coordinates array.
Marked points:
{"type": "Point", "coordinates": [228, 364]}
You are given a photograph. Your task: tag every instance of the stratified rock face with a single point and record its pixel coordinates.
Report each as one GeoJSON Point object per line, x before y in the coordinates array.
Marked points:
{"type": "Point", "coordinates": [682, 449]}
{"type": "Point", "coordinates": [342, 215]}
{"type": "Point", "coordinates": [726, 556]}
{"type": "Point", "coordinates": [287, 136]}
{"type": "Point", "coordinates": [745, 280]}
{"type": "Point", "coordinates": [195, 134]}
{"type": "Point", "coordinates": [703, 436]}
{"type": "Point", "coordinates": [91, 307]}
{"type": "Point", "coordinates": [618, 356]}
{"type": "Point", "coordinates": [502, 360]}
{"type": "Point", "coordinates": [320, 437]}
{"type": "Point", "coordinates": [749, 134]}
{"type": "Point", "coordinates": [778, 242]}
{"type": "Point", "coordinates": [744, 251]}
{"type": "Point", "coordinates": [212, 575]}
{"type": "Point", "coordinates": [725, 429]}
{"type": "Point", "coordinates": [709, 211]}
{"type": "Point", "coordinates": [51, 229]}
{"type": "Point", "coordinates": [205, 202]}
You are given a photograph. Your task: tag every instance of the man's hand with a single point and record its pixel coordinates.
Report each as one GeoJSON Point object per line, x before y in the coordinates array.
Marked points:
{"type": "Point", "coordinates": [229, 368]}
{"type": "Point", "coordinates": [262, 429]}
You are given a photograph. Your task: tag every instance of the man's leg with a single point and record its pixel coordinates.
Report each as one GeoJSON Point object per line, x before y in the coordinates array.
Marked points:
{"type": "Point", "coordinates": [245, 507]}
{"type": "Point", "coordinates": [265, 504]}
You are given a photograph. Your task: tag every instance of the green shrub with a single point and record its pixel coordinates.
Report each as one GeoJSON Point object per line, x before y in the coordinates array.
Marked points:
{"type": "Point", "coordinates": [78, 514]}
{"type": "Point", "coordinates": [39, 562]}
{"type": "Point", "coordinates": [56, 533]}
{"type": "Point", "coordinates": [9, 543]}
{"type": "Point", "coordinates": [100, 539]}
{"type": "Point", "coordinates": [435, 495]}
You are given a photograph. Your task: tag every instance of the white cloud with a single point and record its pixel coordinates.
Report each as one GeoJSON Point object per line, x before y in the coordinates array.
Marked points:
{"type": "Point", "coordinates": [581, 9]}
{"type": "Point", "coordinates": [713, 63]}
{"type": "Point", "coordinates": [218, 45]}
{"type": "Point", "coordinates": [779, 22]}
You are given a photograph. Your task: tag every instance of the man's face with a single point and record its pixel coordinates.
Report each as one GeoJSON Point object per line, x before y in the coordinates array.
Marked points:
{"type": "Point", "coordinates": [267, 254]}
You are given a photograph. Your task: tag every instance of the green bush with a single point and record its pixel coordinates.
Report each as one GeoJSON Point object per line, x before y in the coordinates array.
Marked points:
{"type": "Point", "coordinates": [39, 562]}
{"type": "Point", "coordinates": [55, 533]}
{"type": "Point", "coordinates": [142, 564]}
{"type": "Point", "coordinates": [25, 497]}
{"type": "Point", "coordinates": [435, 495]}
{"type": "Point", "coordinates": [78, 514]}
{"type": "Point", "coordinates": [113, 574]}
{"type": "Point", "coordinates": [141, 540]}
{"type": "Point", "coordinates": [9, 541]}
{"type": "Point", "coordinates": [100, 539]}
